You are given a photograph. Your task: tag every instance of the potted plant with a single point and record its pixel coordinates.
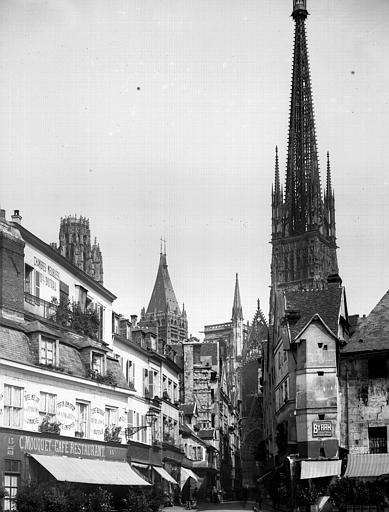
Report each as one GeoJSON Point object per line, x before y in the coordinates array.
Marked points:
{"type": "Point", "coordinates": [49, 425]}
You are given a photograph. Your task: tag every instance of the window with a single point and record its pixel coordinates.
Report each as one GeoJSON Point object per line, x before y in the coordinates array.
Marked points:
{"type": "Point", "coordinates": [48, 405]}
{"type": "Point", "coordinates": [82, 419]}
{"type": "Point", "coordinates": [97, 363]}
{"type": "Point", "coordinates": [144, 430]}
{"type": "Point", "coordinates": [13, 412]}
{"type": "Point", "coordinates": [111, 417]}
{"type": "Point", "coordinates": [130, 374]}
{"type": "Point", "coordinates": [146, 390]}
{"type": "Point", "coordinates": [378, 440]}
{"type": "Point", "coordinates": [377, 368]}
{"type": "Point", "coordinates": [164, 383]}
{"type": "Point", "coordinates": [130, 419]}
{"type": "Point", "coordinates": [153, 381]}
{"type": "Point", "coordinates": [28, 278]}
{"type": "Point", "coordinates": [63, 293]}
{"type": "Point", "coordinates": [38, 279]}
{"type": "Point", "coordinates": [81, 294]}
{"type": "Point", "coordinates": [100, 315]}
{"type": "Point", "coordinates": [47, 350]}
{"type": "Point", "coordinates": [11, 488]}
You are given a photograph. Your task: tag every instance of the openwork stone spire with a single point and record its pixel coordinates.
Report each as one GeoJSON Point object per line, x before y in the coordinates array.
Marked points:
{"type": "Point", "coordinates": [303, 222]}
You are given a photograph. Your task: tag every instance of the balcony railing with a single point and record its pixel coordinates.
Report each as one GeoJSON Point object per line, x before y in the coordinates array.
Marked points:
{"type": "Point", "coordinates": [65, 314]}
{"type": "Point", "coordinates": [40, 307]}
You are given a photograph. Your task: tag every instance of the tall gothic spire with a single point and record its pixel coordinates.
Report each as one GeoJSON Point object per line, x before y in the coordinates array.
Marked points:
{"type": "Point", "coordinates": [237, 311]}
{"type": "Point", "coordinates": [303, 191]}
{"type": "Point", "coordinates": [303, 222]}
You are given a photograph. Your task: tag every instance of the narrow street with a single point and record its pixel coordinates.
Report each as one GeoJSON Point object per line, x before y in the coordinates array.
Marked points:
{"type": "Point", "coordinates": [235, 506]}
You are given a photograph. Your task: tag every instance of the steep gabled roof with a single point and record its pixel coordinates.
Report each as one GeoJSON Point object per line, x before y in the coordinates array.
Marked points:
{"type": "Point", "coordinates": [163, 297]}
{"type": "Point", "coordinates": [372, 333]}
{"type": "Point", "coordinates": [308, 304]}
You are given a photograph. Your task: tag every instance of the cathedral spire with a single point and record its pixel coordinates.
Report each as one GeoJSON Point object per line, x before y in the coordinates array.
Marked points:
{"type": "Point", "coordinates": [237, 312]}
{"type": "Point", "coordinates": [303, 221]}
{"type": "Point", "coordinates": [303, 190]}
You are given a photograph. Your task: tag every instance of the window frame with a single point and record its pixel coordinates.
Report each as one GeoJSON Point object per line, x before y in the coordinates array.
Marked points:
{"type": "Point", "coordinates": [43, 342]}
{"type": "Point", "coordinates": [10, 408]}
{"type": "Point", "coordinates": [97, 356]}
{"type": "Point", "coordinates": [44, 411]}
{"type": "Point", "coordinates": [12, 490]}
{"type": "Point", "coordinates": [80, 404]}
{"type": "Point", "coordinates": [111, 413]}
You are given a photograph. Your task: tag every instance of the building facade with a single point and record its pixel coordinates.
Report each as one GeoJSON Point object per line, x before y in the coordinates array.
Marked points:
{"type": "Point", "coordinates": [308, 321]}
{"type": "Point", "coordinates": [81, 386]}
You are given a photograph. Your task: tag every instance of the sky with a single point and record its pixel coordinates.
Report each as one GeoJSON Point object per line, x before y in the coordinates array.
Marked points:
{"type": "Point", "coordinates": [160, 118]}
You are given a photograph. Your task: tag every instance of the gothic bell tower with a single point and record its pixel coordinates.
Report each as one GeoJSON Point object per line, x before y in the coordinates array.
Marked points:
{"type": "Point", "coordinates": [303, 219]}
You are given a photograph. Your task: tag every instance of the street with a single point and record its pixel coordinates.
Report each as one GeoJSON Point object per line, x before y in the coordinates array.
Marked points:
{"type": "Point", "coordinates": [235, 506]}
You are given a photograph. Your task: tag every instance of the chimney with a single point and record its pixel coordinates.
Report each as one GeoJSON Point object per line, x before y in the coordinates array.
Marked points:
{"type": "Point", "coordinates": [16, 217]}
{"type": "Point", "coordinates": [2, 214]}
{"type": "Point", "coordinates": [334, 280]}
{"type": "Point", "coordinates": [134, 319]}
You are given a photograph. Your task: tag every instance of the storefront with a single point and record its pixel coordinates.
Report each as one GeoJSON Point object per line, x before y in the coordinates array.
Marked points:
{"type": "Point", "coordinates": [26, 456]}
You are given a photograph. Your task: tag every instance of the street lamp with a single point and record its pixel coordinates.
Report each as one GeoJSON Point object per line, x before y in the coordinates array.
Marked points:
{"type": "Point", "coordinates": [151, 418]}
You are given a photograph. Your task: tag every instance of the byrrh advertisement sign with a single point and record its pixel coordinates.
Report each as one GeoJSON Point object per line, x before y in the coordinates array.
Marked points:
{"type": "Point", "coordinates": [322, 428]}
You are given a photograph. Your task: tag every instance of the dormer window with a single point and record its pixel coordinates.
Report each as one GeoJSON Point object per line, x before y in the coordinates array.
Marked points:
{"type": "Point", "coordinates": [48, 351]}
{"type": "Point", "coordinates": [97, 363]}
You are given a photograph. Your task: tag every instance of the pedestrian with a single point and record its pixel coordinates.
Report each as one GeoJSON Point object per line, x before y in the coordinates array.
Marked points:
{"type": "Point", "coordinates": [214, 494]}
{"type": "Point", "coordinates": [195, 497]}
{"type": "Point", "coordinates": [258, 502]}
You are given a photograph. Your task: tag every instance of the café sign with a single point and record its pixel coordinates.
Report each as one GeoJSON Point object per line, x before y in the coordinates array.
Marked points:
{"type": "Point", "coordinates": [322, 428]}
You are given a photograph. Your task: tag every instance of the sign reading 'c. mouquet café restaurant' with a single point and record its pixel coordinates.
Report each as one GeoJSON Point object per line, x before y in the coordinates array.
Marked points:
{"type": "Point", "coordinates": [39, 444]}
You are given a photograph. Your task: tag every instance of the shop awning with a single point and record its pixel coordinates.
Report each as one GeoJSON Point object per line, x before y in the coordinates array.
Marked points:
{"type": "Point", "coordinates": [164, 474]}
{"type": "Point", "coordinates": [185, 474]}
{"type": "Point", "coordinates": [319, 468]}
{"type": "Point", "coordinates": [367, 464]}
{"type": "Point", "coordinates": [89, 471]}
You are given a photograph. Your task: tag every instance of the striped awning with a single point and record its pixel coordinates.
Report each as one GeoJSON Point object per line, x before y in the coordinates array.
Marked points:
{"type": "Point", "coordinates": [185, 474]}
{"type": "Point", "coordinates": [89, 471]}
{"type": "Point", "coordinates": [164, 474]}
{"type": "Point", "coordinates": [367, 464]}
{"type": "Point", "coordinates": [319, 468]}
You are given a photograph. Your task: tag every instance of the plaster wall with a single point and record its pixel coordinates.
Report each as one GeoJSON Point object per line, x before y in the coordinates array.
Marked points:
{"type": "Point", "coordinates": [52, 273]}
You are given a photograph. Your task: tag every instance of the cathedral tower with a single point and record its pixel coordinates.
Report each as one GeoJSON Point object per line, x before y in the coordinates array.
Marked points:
{"type": "Point", "coordinates": [75, 245]}
{"type": "Point", "coordinates": [303, 220]}
{"type": "Point", "coordinates": [163, 311]}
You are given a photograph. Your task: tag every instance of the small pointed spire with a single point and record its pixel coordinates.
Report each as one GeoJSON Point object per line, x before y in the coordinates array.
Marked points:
{"type": "Point", "coordinates": [277, 174]}
{"type": "Point", "coordinates": [237, 312]}
{"type": "Point", "coordinates": [160, 245]}
{"type": "Point", "coordinates": [164, 246]}
{"type": "Point", "coordinates": [329, 185]}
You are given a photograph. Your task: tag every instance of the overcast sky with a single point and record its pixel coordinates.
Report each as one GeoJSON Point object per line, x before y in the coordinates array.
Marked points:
{"type": "Point", "coordinates": [160, 117]}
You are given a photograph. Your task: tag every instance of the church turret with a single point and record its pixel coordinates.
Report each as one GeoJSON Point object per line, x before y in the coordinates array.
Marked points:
{"type": "Point", "coordinates": [237, 319]}
{"type": "Point", "coordinates": [237, 312]}
{"type": "Point", "coordinates": [75, 245]}
{"type": "Point", "coordinates": [303, 223]}
{"type": "Point", "coordinates": [163, 311]}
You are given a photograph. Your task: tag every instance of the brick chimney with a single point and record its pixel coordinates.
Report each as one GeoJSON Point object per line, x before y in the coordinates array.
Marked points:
{"type": "Point", "coordinates": [11, 270]}
{"type": "Point", "coordinates": [16, 217]}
